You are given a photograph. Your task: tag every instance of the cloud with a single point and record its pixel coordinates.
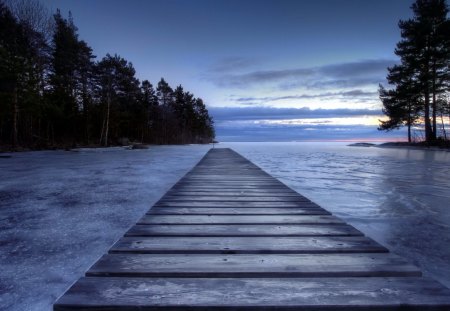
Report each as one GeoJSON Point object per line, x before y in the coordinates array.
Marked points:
{"type": "Point", "coordinates": [358, 95]}
{"type": "Point", "coordinates": [372, 67]}
{"type": "Point", "coordinates": [297, 124]}
{"type": "Point", "coordinates": [231, 64]}
{"type": "Point", "coordinates": [350, 74]}
{"type": "Point", "coordinates": [223, 114]}
{"type": "Point", "coordinates": [251, 132]}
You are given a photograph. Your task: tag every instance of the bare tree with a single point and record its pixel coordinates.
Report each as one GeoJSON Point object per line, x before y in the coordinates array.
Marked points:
{"type": "Point", "coordinates": [32, 13]}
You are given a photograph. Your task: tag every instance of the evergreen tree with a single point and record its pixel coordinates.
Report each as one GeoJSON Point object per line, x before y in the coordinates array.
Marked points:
{"type": "Point", "coordinates": [165, 97]}
{"type": "Point", "coordinates": [63, 77]}
{"type": "Point", "coordinates": [118, 91]}
{"type": "Point", "coordinates": [53, 93]}
{"type": "Point", "coordinates": [151, 111]}
{"type": "Point", "coordinates": [424, 52]}
{"type": "Point", "coordinates": [21, 52]}
{"type": "Point", "coordinates": [85, 86]}
{"type": "Point", "coordinates": [402, 105]}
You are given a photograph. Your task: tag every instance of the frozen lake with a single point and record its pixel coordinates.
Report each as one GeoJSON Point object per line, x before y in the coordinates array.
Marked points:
{"type": "Point", "coordinates": [399, 197]}
{"type": "Point", "coordinates": [60, 211]}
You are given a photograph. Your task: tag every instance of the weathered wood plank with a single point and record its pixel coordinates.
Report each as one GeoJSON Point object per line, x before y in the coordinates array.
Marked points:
{"type": "Point", "coordinates": [241, 266]}
{"type": "Point", "coordinates": [238, 219]}
{"type": "Point", "coordinates": [232, 193]}
{"type": "Point", "coordinates": [230, 187]}
{"type": "Point", "coordinates": [235, 184]}
{"type": "Point", "coordinates": [246, 245]}
{"type": "Point", "coordinates": [210, 198]}
{"type": "Point", "coordinates": [236, 211]}
{"type": "Point", "coordinates": [352, 294]}
{"type": "Point", "coordinates": [236, 204]}
{"type": "Point", "coordinates": [227, 177]}
{"type": "Point", "coordinates": [243, 230]}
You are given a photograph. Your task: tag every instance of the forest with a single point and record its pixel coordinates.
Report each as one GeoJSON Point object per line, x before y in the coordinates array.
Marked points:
{"type": "Point", "coordinates": [54, 93]}
{"type": "Point", "coordinates": [419, 93]}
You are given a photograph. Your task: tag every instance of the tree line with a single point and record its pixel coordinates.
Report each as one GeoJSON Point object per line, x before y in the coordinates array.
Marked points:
{"type": "Point", "coordinates": [53, 91]}
{"type": "Point", "coordinates": [419, 86]}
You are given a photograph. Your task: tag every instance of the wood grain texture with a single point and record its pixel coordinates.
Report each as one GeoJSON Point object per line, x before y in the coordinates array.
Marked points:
{"type": "Point", "coordinates": [353, 294]}
{"type": "Point", "coordinates": [236, 211]}
{"type": "Point", "coordinates": [242, 230]}
{"type": "Point", "coordinates": [263, 265]}
{"type": "Point", "coordinates": [246, 245]}
{"type": "Point", "coordinates": [234, 204]}
{"type": "Point", "coordinates": [238, 219]}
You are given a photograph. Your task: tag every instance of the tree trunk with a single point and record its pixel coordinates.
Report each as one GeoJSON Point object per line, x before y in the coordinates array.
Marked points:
{"type": "Point", "coordinates": [107, 119]}
{"type": "Point", "coordinates": [443, 126]}
{"type": "Point", "coordinates": [428, 130]}
{"type": "Point", "coordinates": [409, 132]}
{"type": "Point", "coordinates": [434, 106]}
{"type": "Point", "coordinates": [102, 131]}
{"type": "Point", "coordinates": [15, 116]}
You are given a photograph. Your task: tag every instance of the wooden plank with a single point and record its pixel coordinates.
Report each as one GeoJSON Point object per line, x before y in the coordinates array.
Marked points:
{"type": "Point", "coordinates": [225, 179]}
{"type": "Point", "coordinates": [241, 266]}
{"type": "Point", "coordinates": [243, 230]}
{"type": "Point", "coordinates": [246, 245]}
{"type": "Point", "coordinates": [229, 173]}
{"type": "Point", "coordinates": [238, 219]}
{"type": "Point", "coordinates": [234, 184]}
{"type": "Point", "coordinates": [228, 177]}
{"type": "Point", "coordinates": [352, 294]}
{"type": "Point", "coordinates": [233, 193]}
{"type": "Point", "coordinates": [210, 198]}
{"type": "Point", "coordinates": [236, 204]}
{"type": "Point", "coordinates": [235, 211]}
{"type": "Point", "coordinates": [230, 187]}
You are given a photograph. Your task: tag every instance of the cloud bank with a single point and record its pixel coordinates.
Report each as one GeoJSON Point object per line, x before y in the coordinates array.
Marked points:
{"type": "Point", "coordinates": [225, 114]}
{"type": "Point", "coordinates": [351, 74]}
{"type": "Point", "coordinates": [297, 124]}
{"type": "Point", "coordinates": [283, 104]}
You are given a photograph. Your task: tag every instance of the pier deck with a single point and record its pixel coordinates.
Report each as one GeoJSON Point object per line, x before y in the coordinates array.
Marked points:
{"type": "Point", "coordinates": [228, 236]}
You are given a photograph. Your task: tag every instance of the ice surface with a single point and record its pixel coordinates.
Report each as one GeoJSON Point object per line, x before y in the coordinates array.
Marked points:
{"type": "Point", "coordinates": [399, 197]}
{"type": "Point", "coordinates": [60, 211]}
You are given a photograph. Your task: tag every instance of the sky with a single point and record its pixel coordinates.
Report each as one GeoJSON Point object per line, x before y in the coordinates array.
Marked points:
{"type": "Point", "coordinates": [267, 70]}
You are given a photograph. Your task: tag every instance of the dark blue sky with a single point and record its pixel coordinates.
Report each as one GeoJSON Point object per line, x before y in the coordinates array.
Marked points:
{"type": "Point", "coordinates": [271, 55]}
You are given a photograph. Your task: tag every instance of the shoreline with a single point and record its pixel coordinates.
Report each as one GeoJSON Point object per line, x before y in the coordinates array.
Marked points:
{"type": "Point", "coordinates": [6, 152]}
{"type": "Point", "coordinates": [405, 145]}
{"type": "Point", "coordinates": [133, 146]}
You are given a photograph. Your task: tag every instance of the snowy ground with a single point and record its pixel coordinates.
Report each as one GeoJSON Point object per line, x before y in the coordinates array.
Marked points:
{"type": "Point", "coordinates": [60, 211]}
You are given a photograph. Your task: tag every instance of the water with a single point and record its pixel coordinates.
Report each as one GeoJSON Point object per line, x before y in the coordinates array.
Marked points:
{"type": "Point", "coordinates": [399, 197]}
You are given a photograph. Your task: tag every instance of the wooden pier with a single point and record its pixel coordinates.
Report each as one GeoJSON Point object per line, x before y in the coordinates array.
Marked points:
{"type": "Point", "coordinates": [229, 236]}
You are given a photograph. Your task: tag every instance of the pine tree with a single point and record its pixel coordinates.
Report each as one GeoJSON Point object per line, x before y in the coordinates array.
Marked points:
{"type": "Point", "coordinates": [151, 111]}
{"type": "Point", "coordinates": [63, 77]}
{"type": "Point", "coordinates": [118, 90]}
{"type": "Point", "coordinates": [401, 105]}
{"type": "Point", "coordinates": [165, 97]}
{"type": "Point", "coordinates": [85, 86]}
{"type": "Point", "coordinates": [424, 52]}
{"type": "Point", "coordinates": [22, 60]}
